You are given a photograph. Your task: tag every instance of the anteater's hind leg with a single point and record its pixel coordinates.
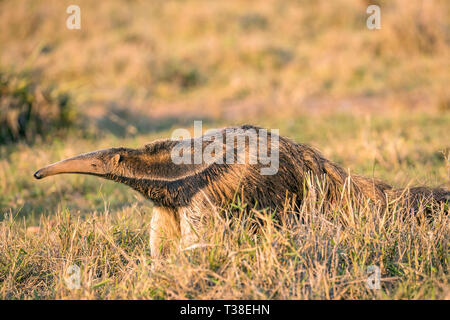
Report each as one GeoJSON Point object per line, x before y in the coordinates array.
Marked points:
{"type": "Point", "coordinates": [164, 231]}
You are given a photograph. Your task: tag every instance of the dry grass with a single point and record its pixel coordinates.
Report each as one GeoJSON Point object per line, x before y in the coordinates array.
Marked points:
{"type": "Point", "coordinates": [377, 102]}
{"type": "Point", "coordinates": [313, 254]}
{"type": "Point", "coordinates": [166, 58]}
{"type": "Point", "coordinates": [104, 228]}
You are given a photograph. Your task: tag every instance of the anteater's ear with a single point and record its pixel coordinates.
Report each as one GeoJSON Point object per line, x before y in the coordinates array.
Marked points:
{"type": "Point", "coordinates": [116, 159]}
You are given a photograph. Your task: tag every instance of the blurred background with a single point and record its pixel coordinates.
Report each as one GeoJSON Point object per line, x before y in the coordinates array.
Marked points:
{"type": "Point", "coordinates": [375, 101]}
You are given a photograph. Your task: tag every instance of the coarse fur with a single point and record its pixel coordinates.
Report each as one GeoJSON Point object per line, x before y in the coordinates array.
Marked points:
{"type": "Point", "coordinates": [183, 194]}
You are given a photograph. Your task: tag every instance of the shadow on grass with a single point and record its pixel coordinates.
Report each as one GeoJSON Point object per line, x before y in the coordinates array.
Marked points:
{"type": "Point", "coordinates": [81, 199]}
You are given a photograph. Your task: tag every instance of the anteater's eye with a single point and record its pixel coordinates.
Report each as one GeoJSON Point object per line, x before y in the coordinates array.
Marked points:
{"type": "Point", "coordinates": [94, 165]}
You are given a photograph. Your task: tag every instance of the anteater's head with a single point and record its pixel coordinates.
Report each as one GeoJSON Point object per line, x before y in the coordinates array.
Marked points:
{"type": "Point", "coordinates": [114, 161]}
{"type": "Point", "coordinates": [151, 162]}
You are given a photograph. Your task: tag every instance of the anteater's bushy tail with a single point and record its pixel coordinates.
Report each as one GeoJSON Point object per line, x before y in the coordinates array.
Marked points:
{"type": "Point", "coordinates": [379, 191]}
{"type": "Point", "coordinates": [424, 195]}
{"type": "Point", "coordinates": [337, 181]}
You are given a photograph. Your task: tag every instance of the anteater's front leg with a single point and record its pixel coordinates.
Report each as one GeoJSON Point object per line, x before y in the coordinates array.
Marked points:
{"type": "Point", "coordinates": [164, 231]}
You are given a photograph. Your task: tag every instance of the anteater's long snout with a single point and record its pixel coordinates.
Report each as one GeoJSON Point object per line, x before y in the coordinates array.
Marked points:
{"type": "Point", "coordinates": [84, 164]}
{"type": "Point", "coordinates": [38, 174]}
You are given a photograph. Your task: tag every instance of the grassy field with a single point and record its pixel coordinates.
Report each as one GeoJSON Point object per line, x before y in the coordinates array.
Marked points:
{"type": "Point", "coordinates": [375, 101]}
